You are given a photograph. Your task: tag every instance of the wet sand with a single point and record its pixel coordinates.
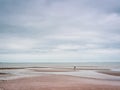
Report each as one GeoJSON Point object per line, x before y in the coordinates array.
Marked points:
{"type": "Point", "coordinates": [49, 81]}
{"type": "Point", "coordinates": [114, 73]}
{"type": "Point", "coordinates": [3, 73]}
{"type": "Point", "coordinates": [52, 69]}
{"type": "Point", "coordinates": [63, 69]}
{"type": "Point", "coordinates": [9, 68]}
{"type": "Point", "coordinates": [57, 82]}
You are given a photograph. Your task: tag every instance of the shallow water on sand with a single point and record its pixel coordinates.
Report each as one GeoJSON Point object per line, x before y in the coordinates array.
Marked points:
{"type": "Point", "coordinates": [81, 73]}
{"type": "Point", "coordinates": [90, 74]}
{"type": "Point", "coordinates": [26, 72]}
{"type": "Point", "coordinates": [18, 73]}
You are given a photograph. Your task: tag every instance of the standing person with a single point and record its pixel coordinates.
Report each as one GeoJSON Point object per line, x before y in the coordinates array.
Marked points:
{"type": "Point", "coordinates": [74, 67]}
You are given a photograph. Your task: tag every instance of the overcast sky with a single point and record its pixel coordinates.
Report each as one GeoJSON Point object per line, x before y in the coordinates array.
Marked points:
{"type": "Point", "coordinates": [59, 30]}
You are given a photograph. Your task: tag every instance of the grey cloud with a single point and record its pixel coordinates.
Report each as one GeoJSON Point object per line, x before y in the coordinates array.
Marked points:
{"type": "Point", "coordinates": [52, 26]}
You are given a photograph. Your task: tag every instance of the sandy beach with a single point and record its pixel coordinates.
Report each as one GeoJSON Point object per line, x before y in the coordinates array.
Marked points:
{"type": "Point", "coordinates": [57, 78]}
{"type": "Point", "coordinates": [57, 82]}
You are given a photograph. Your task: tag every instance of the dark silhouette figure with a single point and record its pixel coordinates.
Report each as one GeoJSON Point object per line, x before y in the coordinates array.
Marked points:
{"type": "Point", "coordinates": [74, 67]}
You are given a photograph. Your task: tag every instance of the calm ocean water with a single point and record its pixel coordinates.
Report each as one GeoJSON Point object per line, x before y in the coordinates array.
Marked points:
{"type": "Point", "coordinates": [111, 64]}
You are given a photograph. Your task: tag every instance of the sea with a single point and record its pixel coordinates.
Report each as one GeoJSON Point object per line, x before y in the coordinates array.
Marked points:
{"type": "Point", "coordinates": [60, 64]}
